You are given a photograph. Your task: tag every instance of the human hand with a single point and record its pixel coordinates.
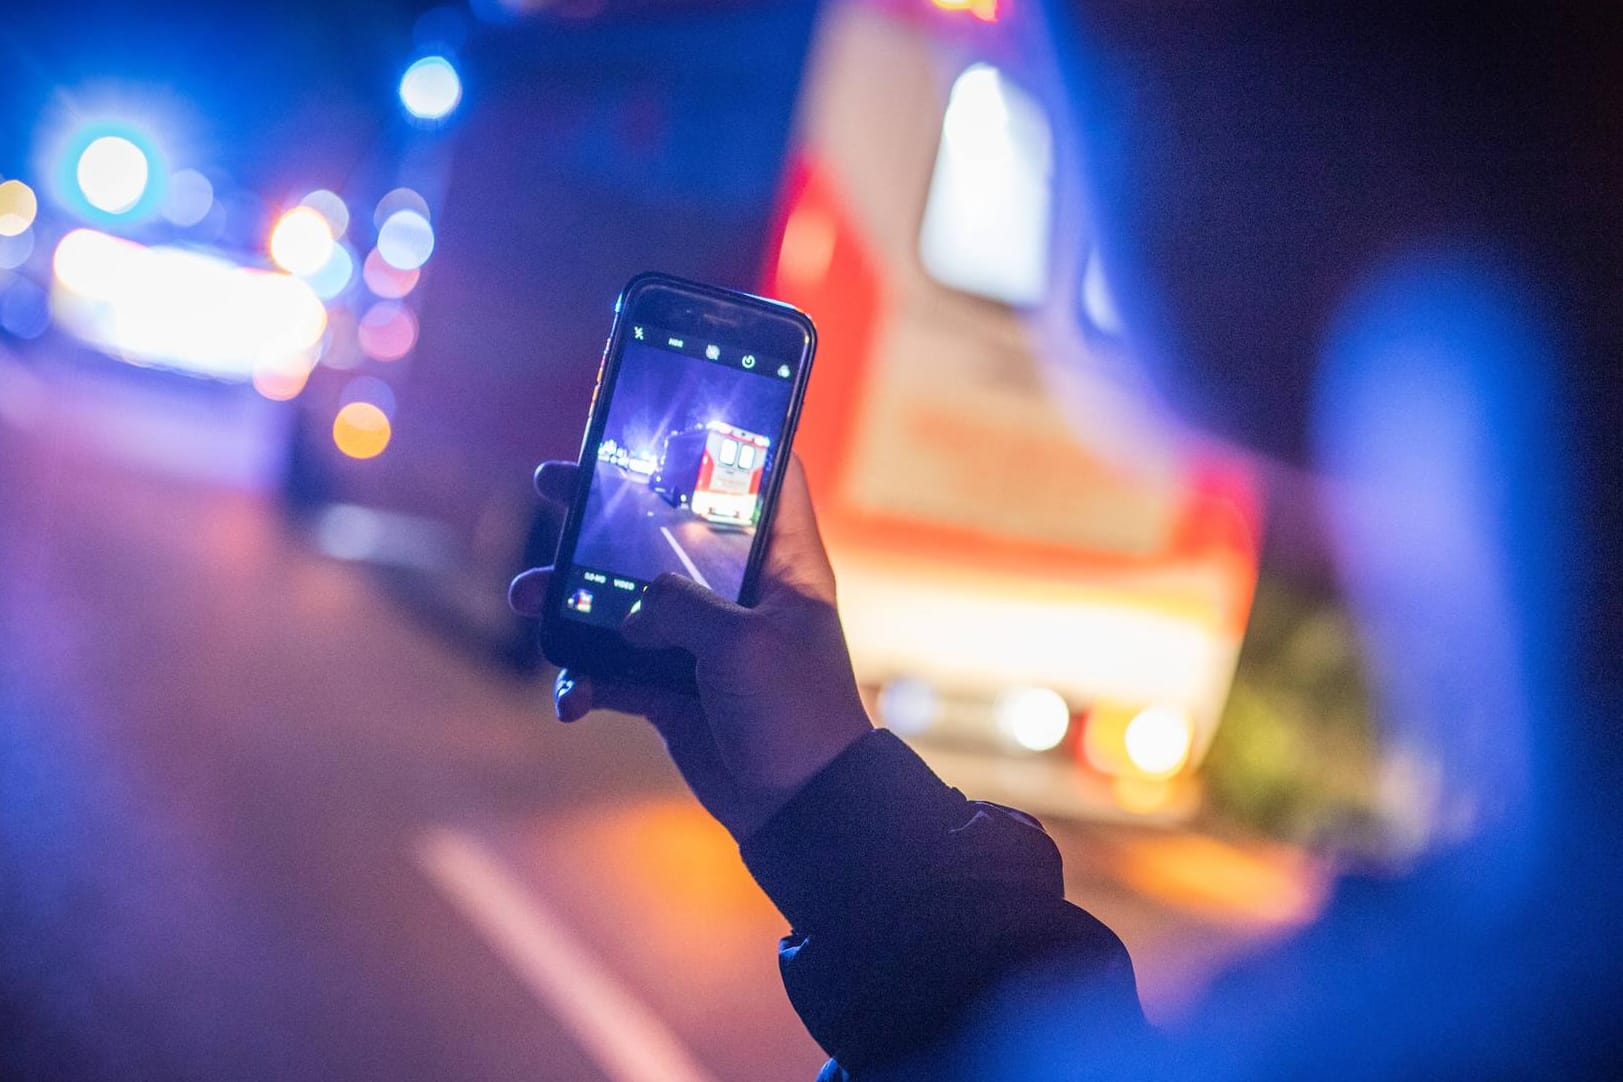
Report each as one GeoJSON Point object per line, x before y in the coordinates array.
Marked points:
{"type": "Point", "coordinates": [777, 697]}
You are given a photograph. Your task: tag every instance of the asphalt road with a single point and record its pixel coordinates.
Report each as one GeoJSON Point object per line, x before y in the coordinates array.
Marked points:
{"type": "Point", "coordinates": [631, 530]}
{"type": "Point", "coordinates": [256, 821]}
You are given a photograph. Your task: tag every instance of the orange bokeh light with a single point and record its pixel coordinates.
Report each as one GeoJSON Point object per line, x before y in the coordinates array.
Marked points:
{"type": "Point", "coordinates": [361, 430]}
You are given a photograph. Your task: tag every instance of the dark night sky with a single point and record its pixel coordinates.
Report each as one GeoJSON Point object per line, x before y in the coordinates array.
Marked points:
{"type": "Point", "coordinates": [658, 391]}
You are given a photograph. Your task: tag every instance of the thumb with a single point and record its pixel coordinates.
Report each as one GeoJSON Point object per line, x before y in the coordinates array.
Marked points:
{"type": "Point", "coordinates": [796, 555]}
{"type": "Point", "coordinates": [676, 611]}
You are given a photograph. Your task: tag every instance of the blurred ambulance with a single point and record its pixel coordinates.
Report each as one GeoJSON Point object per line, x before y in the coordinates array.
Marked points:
{"type": "Point", "coordinates": [1031, 561]}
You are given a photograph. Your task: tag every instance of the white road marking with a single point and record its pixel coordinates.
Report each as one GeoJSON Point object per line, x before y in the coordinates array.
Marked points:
{"type": "Point", "coordinates": [693, 572]}
{"type": "Point", "coordinates": [623, 1036]}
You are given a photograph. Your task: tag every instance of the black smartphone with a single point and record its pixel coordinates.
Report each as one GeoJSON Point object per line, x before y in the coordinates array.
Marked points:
{"type": "Point", "coordinates": [685, 449]}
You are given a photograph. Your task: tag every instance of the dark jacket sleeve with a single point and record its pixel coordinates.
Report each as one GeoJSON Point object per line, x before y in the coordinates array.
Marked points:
{"type": "Point", "coordinates": [911, 908]}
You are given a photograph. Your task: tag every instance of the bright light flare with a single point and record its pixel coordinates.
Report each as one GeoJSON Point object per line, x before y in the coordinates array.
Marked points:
{"type": "Point", "coordinates": [361, 430]}
{"type": "Point", "coordinates": [112, 173]}
{"type": "Point", "coordinates": [1158, 740]}
{"type": "Point", "coordinates": [1035, 718]}
{"type": "Point", "coordinates": [182, 308]}
{"type": "Point", "coordinates": [18, 206]}
{"type": "Point", "coordinates": [302, 241]}
{"type": "Point", "coordinates": [431, 88]}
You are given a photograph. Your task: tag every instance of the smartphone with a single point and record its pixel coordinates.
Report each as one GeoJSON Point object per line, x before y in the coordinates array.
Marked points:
{"type": "Point", "coordinates": [686, 446]}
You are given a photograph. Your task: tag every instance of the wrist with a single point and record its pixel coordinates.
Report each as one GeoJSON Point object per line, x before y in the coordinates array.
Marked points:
{"type": "Point", "coordinates": [799, 766]}
{"type": "Point", "coordinates": [862, 825]}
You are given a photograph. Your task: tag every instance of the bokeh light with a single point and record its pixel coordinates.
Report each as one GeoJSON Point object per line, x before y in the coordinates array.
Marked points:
{"type": "Point", "coordinates": [396, 200]}
{"type": "Point", "coordinates": [334, 276]}
{"type": "Point", "coordinates": [331, 206]}
{"type": "Point", "coordinates": [302, 241]}
{"type": "Point", "coordinates": [908, 706]}
{"type": "Point", "coordinates": [385, 281]}
{"type": "Point", "coordinates": [1034, 718]}
{"type": "Point", "coordinates": [113, 172]}
{"type": "Point", "coordinates": [406, 240]}
{"type": "Point", "coordinates": [431, 88]}
{"type": "Point", "coordinates": [361, 430]}
{"type": "Point", "coordinates": [14, 251]}
{"type": "Point", "coordinates": [369, 389]}
{"type": "Point", "coordinates": [24, 309]}
{"type": "Point", "coordinates": [18, 206]}
{"type": "Point", "coordinates": [388, 331]}
{"type": "Point", "coordinates": [281, 382]}
{"type": "Point", "coordinates": [1158, 740]}
{"type": "Point", "coordinates": [190, 198]}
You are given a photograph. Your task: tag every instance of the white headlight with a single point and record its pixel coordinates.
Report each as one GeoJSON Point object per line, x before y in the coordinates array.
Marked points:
{"type": "Point", "coordinates": [1034, 718]}
{"type": "Point", "coordinates": [1158, 740]}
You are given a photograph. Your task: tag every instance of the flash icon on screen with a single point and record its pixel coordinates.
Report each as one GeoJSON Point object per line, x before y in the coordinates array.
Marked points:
{"type": "Point", "coordinates": [637, 333]}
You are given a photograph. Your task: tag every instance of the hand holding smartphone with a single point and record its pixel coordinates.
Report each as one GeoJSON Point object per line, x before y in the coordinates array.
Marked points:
{"type": "Point", "coordinates": [684, 454]}
{"type": "Point", "coordinates": [753, 698]}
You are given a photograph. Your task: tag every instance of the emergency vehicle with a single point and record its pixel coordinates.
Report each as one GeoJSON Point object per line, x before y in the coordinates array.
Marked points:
{"type": "Point", "coordinates": [714, 470]}
{"type": "Point", "coordinates": [1043, 583]}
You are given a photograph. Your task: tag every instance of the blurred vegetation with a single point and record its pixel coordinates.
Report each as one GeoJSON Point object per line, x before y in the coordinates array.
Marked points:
{"type": "Point", "coordinates": [1297, 754]}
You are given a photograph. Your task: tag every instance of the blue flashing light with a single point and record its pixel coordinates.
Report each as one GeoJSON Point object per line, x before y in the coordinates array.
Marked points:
{"type": "Point", "coordinates": [111, 173]}
{"type": "Point", "coordinates": [431, 88]}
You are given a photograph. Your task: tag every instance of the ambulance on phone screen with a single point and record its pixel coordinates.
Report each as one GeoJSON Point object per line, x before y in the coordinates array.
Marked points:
{"type": "Point", "coordinates": [715, 471]}
{"type": "Point", "coordinates": [1031, 561]}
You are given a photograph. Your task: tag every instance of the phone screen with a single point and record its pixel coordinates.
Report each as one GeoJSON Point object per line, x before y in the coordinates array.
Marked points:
{"type": "Point", "coordinates": [689, 443]}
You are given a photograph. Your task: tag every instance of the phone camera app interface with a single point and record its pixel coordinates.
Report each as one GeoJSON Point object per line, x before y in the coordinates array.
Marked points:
{"type": "Point", "coordinates": [691, 436]}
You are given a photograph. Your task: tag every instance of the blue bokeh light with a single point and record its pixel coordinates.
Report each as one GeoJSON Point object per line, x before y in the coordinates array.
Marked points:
{"type": "Point", "coordinates": [431, 88]}
{"type": "Point", "coordinates": [335, 274]}
{"type": "Point", "coordinates": [406, 240]}
{"type": "Point", "coordinates": [111, 173]}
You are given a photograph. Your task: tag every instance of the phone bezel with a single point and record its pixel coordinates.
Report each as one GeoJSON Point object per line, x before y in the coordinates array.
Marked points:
{"type": "Point", "coordinates": [680, 306]}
